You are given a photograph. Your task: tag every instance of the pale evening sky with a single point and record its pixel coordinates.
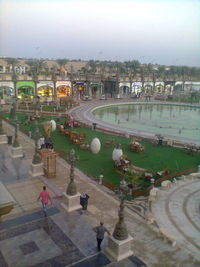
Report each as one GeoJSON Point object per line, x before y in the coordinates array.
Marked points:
{"type": "Point", "coordinates": [156, 31]}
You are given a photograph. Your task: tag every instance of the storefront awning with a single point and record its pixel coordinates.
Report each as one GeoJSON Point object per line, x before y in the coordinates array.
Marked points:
{"type": "Point", "coordinates": [25, 84]}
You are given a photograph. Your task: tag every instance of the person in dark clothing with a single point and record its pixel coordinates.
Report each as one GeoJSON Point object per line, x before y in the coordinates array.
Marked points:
{"type": "Point", "coordinates": [100, 231]}
{"type": "Point", "coordinates": [84, 200]}
{"type": "Point", "coordinates": [48, 142]}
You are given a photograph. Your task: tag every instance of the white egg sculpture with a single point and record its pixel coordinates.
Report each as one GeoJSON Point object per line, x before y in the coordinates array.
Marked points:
{"type": "Point", "coordinates": [53, 125]}
{"type": "Point", "coordinates": [95, 145]}
{"type": "Point", "coordinates": [117, 153]}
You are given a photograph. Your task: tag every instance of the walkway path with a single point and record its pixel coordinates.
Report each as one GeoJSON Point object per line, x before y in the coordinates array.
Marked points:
{"type": "Point", "coordinates": [103, 205]}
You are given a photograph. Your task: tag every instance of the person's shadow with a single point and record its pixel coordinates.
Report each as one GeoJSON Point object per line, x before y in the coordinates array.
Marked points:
{"type": "Point", "coordinates": [46, 226]}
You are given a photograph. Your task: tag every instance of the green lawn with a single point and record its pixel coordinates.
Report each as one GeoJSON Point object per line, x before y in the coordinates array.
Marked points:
{"type": "Point", "coordinates": [154, 157]}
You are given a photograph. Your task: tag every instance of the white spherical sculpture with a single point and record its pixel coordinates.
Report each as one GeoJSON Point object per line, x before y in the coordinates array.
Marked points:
{"type": "Point", "coordinates": [95, 145]}
{"type": "Point", "coordinates": [117, 153]}
{"type": "Point", "coordinates": [53, 125]}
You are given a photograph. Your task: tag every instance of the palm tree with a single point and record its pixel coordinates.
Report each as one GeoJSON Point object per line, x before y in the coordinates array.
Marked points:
{"type": "Point", "coordinates": [184, 71]}
{"type": "Point", "coordinates": [142, 70]}
{"type": "Point", "coordinates": [102, 70]}
{"type": "Point", "coordinates": [173, 72]}
{"type": "Point", "coordinates": [132, 69]}
{"type": "Point", "coordinates": [36, 67]}
{"type": "Point", "coordinates": [152, 74]}
{"type": "Point", "coordinates": [54, 77]}
{"type": "Point", "coordinates": [162, 73]}
{"type": "Point", "coordinates": [154, 78]}
{"type": "Point", "coordinates": [62, 63]}
{"type": "Point", "coordinates": [92, 66]}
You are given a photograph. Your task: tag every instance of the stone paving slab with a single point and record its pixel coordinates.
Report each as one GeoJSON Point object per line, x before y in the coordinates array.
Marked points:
{"type": "Point", "coordinates": [78, 228]}
{"type": "Point", "coordinates": [37, 242]}
{"type": "Point", "coordinates": [99, 260]}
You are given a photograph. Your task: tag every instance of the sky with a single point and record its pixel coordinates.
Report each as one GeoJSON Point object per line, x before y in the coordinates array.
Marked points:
{"type": "Point", "coordinates": [151, 31]}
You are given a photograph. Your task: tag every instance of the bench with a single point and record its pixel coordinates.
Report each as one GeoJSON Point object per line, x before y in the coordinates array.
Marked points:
{"type": "Point", "coordinates": [6, 201]}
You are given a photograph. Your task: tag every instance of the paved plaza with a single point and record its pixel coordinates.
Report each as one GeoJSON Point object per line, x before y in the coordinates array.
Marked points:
{"type": "Point", "coordinates": [67, 239]}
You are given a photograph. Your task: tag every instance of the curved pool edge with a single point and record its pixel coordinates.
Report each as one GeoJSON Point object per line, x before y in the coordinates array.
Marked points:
{"type": "Point", "coordinates": [83, 114]}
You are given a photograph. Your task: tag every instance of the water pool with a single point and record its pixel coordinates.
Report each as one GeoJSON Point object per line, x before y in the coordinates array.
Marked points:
{"type": "Point", "coordinates": [168, 119]}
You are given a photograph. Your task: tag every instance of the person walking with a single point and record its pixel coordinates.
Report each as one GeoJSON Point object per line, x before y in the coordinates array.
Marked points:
{"type": "Point", "coordinates": [100, 231]}
{"type": "Point", "coordinates": [45, 197]}
{"type": "Point", "coordinates": [84, 200]}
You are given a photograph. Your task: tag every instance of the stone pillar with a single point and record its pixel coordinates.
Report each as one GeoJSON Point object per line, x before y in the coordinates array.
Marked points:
{"type": "Point", "coordinates": [3, 137]}
{"type": "Point", "coordinates": [72, 202]}
{"type": "Point", "coordinates": [36, 169]}
{"type": "Point", "coordinates": [119, 244]}
{"type": "Point", "coordinates": [72, 197]}
{"type": "Point", "coordinates": [16, 149]}
{"type": "Point", "coordinates": [36, 165]}
{"type": "Point", "coordinates": [16, 152]}
{"type": "Point", "coordinates": [118, 250]}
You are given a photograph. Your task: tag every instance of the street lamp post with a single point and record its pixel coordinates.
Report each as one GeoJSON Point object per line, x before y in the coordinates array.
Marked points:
{"type": "Point", "coordinates": [13, 110]}
{"type": "Point", "coordinates": [16, 141]}
{"type": "Point", "coordinates": [1, 123]}
{"type": "Point", "coordinates": [37, 157]}
{"type": "Point", "coordinates": [120, 231]}
{"type": "Point", "coordinates": [119, 244]}
{"type": "Point", "coordinates": [36, 165]}
{"type": "Point", "coordinates": [16, 149]}
{"type": "Point", "coordinates": [71, 188]}
{"type": "Point", "coordinates": [3, 142]}
{"type": "Point", "coordinates": [1, 127]}
{"type": "Point", "coordinates": [72, 196]}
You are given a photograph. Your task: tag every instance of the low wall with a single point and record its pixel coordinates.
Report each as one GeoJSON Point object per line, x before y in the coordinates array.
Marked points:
{"type": "Point", "coordinates": [158, 181]}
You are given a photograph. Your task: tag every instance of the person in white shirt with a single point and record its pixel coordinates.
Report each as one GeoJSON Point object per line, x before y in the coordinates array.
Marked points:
{"type": "Point", "coordinates": [41, 142]}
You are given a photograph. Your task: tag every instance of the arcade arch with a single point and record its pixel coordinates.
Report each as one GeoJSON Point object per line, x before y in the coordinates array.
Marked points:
{"type": "Point", "coordinates": [6, 90]}
{"type": "Point", "coordinates": [25, 89]}
{"type": "Point", "coordinates": [124, 88]}
{"type": "Point", "coordinates": [95, 89]}
{"type": "Point", "coordinates": [63, 89]}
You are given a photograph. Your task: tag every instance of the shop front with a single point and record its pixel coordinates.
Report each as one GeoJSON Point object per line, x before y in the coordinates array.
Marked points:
{"type": "Point", "coordinates": [95, 89]}
{"type": "Point", "coordinates": [25, 89]}
{"type": "Point", "coordinates": [124, 88]}
{"type": "Point", "coordinates": [148, 87]}
{"type": "Point", "coordinates": [159, 87]}
{"type": "Point", "coordinates": [169, 87]}
{"type": "Point", "coordinates": [6, 91]}
{"type": "Point", "coordinates": [79, 89]}
{"type": "Point", "coordinates": [192, 86]}
{"type": "Point", "coordinates": [136, 87]}
{"type": "Point", "coordinates": [110, 88]}
{"type": "Point", "coordinates": [63, 89]}
{"type": "Point", "coordinates": [45, 90]}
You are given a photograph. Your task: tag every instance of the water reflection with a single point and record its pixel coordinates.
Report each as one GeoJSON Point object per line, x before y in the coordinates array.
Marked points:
{"type": "Point", "coordinates": [174, 120]}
